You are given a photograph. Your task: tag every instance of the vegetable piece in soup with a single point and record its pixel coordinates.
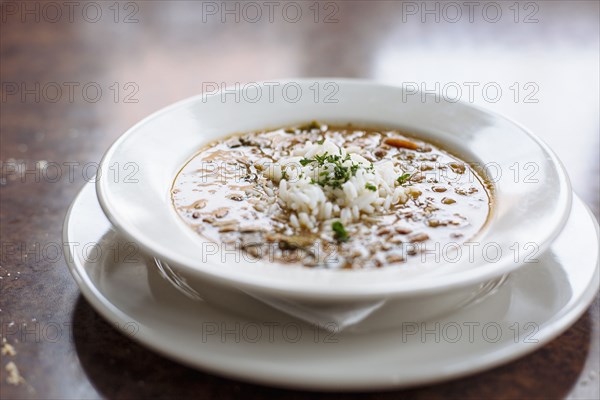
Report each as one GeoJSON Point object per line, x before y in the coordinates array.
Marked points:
{"type": "Point", "coordinates": [331, 196]}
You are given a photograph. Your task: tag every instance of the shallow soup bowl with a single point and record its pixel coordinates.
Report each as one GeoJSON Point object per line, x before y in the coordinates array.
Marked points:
{"type": "Point", "coordinates": [531, 199]}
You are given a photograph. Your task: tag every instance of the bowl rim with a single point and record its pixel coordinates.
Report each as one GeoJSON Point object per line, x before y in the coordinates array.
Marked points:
{"type": "Point", "coordinates": [450, 281]}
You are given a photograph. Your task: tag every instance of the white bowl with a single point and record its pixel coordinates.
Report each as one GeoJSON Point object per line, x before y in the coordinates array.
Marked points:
{"type": "Point", "coordinates": [530, 207]}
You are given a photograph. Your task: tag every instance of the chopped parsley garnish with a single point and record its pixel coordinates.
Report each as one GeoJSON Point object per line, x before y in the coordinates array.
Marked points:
{"type": "Point", "coordinates": [340, 232]}
{"type": "Point", "coordinates": [334, 173]}
{"type": "Point", "coordinates": [403, 179]}
{"type": "Point", "coordinates": [371, 187]}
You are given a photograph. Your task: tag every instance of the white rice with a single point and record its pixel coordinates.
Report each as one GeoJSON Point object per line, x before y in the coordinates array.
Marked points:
{"type": "Point", "coordinates": [311, 203]}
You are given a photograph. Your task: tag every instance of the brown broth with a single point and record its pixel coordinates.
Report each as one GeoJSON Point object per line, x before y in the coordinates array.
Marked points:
{"type": "Point", "coordinates": [223, 195]}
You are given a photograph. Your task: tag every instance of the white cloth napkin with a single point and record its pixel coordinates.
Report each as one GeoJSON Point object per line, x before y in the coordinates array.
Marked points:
{"type": "Point", "coordinates": [333, 318]}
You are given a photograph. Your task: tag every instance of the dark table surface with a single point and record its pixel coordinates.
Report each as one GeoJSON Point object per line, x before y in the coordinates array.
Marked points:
{"type": "Point", "coordinates": [75, 76]}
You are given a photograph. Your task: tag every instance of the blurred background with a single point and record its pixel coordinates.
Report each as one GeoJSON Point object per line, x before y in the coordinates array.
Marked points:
{"type": "Point", "coordinates": [76, 75]}
{"type": "Point", "coordinates": [537, 62]}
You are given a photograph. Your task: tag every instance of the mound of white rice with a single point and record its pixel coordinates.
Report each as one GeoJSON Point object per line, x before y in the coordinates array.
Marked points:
{"type": "Point", "coordinates": [311, 188]}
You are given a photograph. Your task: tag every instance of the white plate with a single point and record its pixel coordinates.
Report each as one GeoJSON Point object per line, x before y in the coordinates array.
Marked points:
{"type": "Point", "coordinates": [535, 304]}
{"type": "Point", "coordinates": [138, 170]}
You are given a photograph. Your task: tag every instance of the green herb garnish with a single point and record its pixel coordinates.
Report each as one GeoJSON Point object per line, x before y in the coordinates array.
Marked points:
{"type": "Point", "coordinates": [371, 187]}
{"type": "Point", "coordinates": [403, 179]}
{"type": "Point", "coordinates": [335, 173]}
{"type": "Point", "coordinates": [340, 232]}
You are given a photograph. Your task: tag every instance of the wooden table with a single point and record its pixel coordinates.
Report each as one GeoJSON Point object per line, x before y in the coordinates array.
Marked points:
{"type": "Point", "coordinates": [77, 75]}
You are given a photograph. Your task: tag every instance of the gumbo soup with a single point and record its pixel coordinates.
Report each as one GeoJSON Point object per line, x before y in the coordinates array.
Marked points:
{"type": "Point", "coordinates": [331, 196]}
